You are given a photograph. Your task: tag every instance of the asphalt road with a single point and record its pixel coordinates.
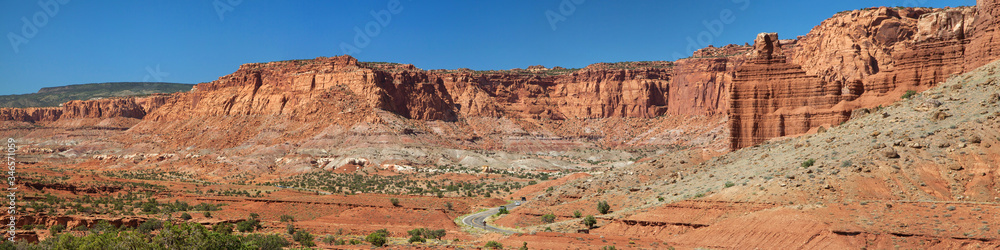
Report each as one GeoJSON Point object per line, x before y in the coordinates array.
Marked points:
{"type": "Point", "coordinates": [478, 220]}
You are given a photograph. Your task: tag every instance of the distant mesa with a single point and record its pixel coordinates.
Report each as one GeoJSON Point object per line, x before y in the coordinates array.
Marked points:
{"type": "Point", "coordinates": [55, 96]}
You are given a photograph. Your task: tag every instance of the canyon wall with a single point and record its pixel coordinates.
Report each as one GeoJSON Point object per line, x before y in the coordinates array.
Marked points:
{"type": "Point", "coordinates": [857, 59]}
{"type": "Point", "coordinates": [984, 45]}
{"type": "Point", "coordinates": [128, 107]}
{"type": "Point", "coordinates": [642, 90]}
{"type": "Point", "coordinates": [775, 88]}
{"type": "Point", "coordinates": [30, 114]}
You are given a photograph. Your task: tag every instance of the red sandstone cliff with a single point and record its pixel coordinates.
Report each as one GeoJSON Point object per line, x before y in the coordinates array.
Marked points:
{"type": "Point", "coordinates": [129, 107]}
{"type": "Point", "coordinates": [30, 114]}
{"type": "Point", "coordinates": [777, 88]}
{"type": "Point", "coordinates": [858, 59]}
{"type": "Point", "coordinates": [984, 44]}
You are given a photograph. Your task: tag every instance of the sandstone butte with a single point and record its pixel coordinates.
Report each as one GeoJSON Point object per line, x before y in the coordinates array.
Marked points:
{"type": "Point", "coordinates": [774, 88]}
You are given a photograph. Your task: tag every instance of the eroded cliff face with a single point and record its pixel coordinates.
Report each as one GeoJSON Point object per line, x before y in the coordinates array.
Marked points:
{"type": "Point", "coordinates": [984, 44]}
{"type": "Point", "coordinates": [772, 97]}
{"type": "Point", "coordinates": [858, 59]}
{"type": "Point", "coordinates": [130, 107]}
{"type": "Point", "coordinates": [30, 114]}
{"type": "Point", "coordinates": [775, 88]}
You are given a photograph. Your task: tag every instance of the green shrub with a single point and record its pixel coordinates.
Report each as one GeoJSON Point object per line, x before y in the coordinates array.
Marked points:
{"type": "Point", "coordinates": [329, 239]}
{"type": "Point", "coordinates": [223, 228]}
{"type": "Point", "coordinates": [150, 208]}
{"type": "Point", "coordinates": [502, 211]}
{"type": "Point", "coordinates": [846, 163]}
{"type": "Point", "coordinates": [394, 201]}
{"type": "Point", "coordinates": [603, 207]}
{"type": "Point", "coordinates": [185, 216]}
{"type": "Point", "coordinates": [56, 229]}
{"type": "Point", "coordinates": [730, 184]}
{"type": "Point", "coordinates": [415, 238]}
{"type": "Point", "coordinates": [435, 234]}
{"type": "Point", "coordinates": [207, 214]}
{"type": "Point", "coordinates": [808, 163]}
{"type": "Point", "coordinates": [590, 221]}
{"type": "Point", "coordinates": [548, 218]}
{"type": "Point", "coordinates": [150, 225]}
{"type": "Point", "coordinates": [427, 233]}
{"type": "Point", "coordinates": [909, 93]}
{"type": "Point", "coordinates": [287, 218]}
{"type": "Point", "coordinates": [524, 246]}
{"type": "Point", "coordinates": [494, 245]}
{"type": "Point", "coordinates": [378, 238]}
{"type": "Point", "coordinates": [247, 226]}
{"type": "Point", "coordinates": [103, 226]}
{"type": "Point", "coordinates": [290, 229]}
{"type": "Point", "coordinates": [304, 238]}
{"type": "Point", "coordinates": [577, 214]}
{"type": "Point", "coordinates": [265, 242]}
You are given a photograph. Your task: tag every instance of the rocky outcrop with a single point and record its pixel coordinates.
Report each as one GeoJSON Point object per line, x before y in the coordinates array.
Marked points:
{"type": "Point", "coordinates": [771, 97]}
{"type": "Point", "coordinates": [774, 88]}
{"type": "Point", "coordinates": [105, 108]}
{"type": "Point", "coordinates": [984, 44]}
{"type": "Point", "coordinates": [30, 114]}
{"type": "Point", "coordinates": [129, 107]}
{"type": "Point", "coordinates": [701, 84]}
{"type": "Point", "coordinates": [280, 88]}
{"type": "Point", "coordinates": [858, 59]}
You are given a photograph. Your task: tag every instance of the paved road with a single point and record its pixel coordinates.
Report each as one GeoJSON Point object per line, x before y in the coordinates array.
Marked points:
{"type": "Point", "coordinates": [478, 220]}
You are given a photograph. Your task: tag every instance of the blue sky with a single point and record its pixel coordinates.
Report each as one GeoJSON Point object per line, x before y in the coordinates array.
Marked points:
{"type": "Point", "coordinates": [195, 41]}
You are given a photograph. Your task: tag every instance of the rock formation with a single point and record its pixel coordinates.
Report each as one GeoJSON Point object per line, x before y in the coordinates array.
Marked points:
{"type": "Point", "coordinates": [858, 59]}
{"type": "Point", "coordinates": [30, 114]}
{"type": "Point", "coordinates": [775, 88]}
{"type": "Point", "coordinates": [984, 44]}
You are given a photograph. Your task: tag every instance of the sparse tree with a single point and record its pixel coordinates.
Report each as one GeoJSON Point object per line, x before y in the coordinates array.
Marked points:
{"type": "Point", "coordinates": [494, 245]}
{"type": "Point", "coordinates": [549, 218]}
{"type": "Point", "coordinates": [590, 221]}
{"type": "Point", "coordinates": [304, 238]}
{"type": "Point", "coordinates": [377, 238]}
{"type": "Point", "coordinates": [603, 207]}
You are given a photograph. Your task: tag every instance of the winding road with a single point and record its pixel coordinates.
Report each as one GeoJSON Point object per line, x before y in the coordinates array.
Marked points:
{"type": "Point", "coordinates": [478, 220]}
